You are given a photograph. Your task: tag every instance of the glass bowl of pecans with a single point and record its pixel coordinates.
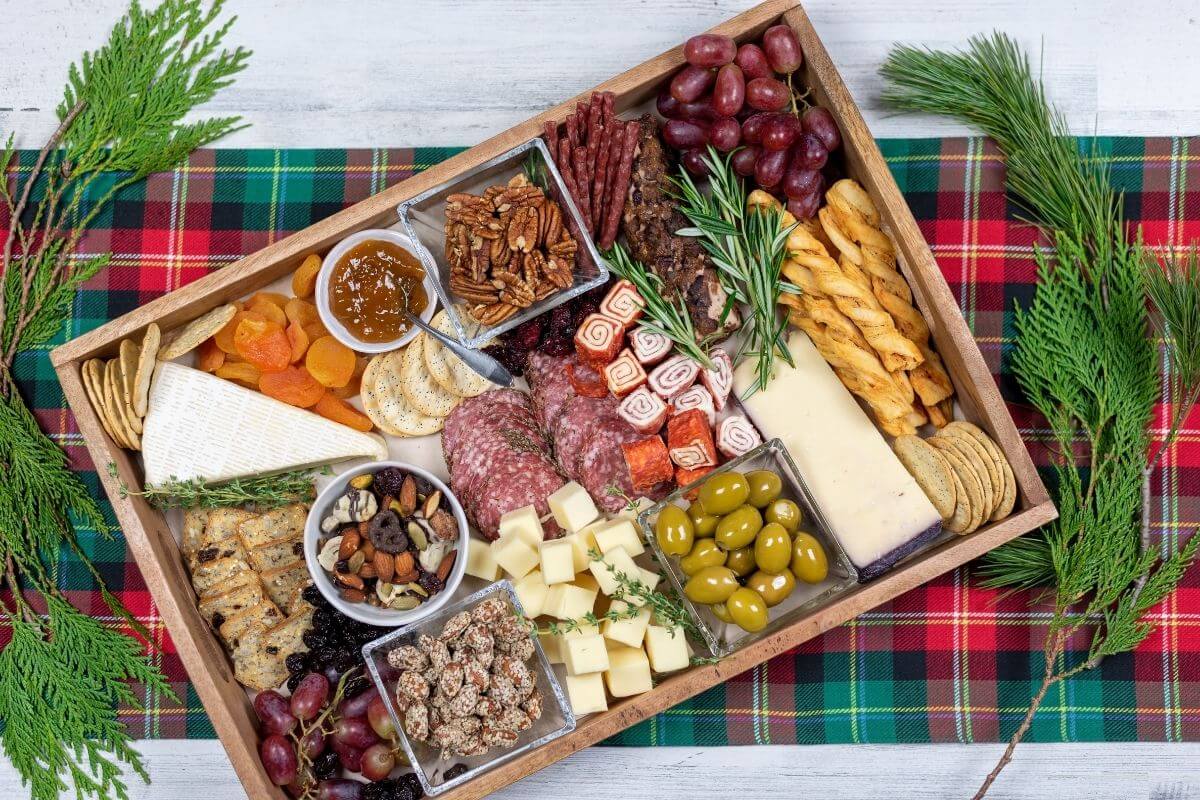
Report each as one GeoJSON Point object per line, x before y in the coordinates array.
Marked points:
{"type": "Point", "coordinates": [468, 688]}
{"type": "Point", "coordinates": [386, 543]}
{"type": "Point", "coordinates": [505, 242]}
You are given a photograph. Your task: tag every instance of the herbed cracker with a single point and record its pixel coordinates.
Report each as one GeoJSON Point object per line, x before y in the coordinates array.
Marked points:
{"type": "Point", "coordinates": [1008, 498]}
{"type": "Point", "coordinates": [196, 332]}
{"type": "Point", "coordinates": [929, 470]}
{"type": "Point", "coordinates": [972, 487]}
{"type": "Point", "coordinates": [147, 358]}
{"type": "Point", "coordinates": [977, 464]}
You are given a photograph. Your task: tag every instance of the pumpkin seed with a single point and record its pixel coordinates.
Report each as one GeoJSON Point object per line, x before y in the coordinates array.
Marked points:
{"type": "Point", "coordinates": [362, 481]}
{"type": "Point", "coordinates": [405, 602]}
{"type": "Point", "coordinates": [417, 534]}
{"type": "Point", "coordinates": [417, 588]}
{"type": "Point", "coordinates": [356, 561]}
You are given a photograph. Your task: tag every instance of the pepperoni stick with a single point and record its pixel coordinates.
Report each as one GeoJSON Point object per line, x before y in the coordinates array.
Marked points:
{"type": "Point", "coordinates": [565, 169]}
{"type": "Point", "coordinates": [620, 185]}
{"type": "Point", "coordinates": [615, 144]}
{"type": "Point", "coordinates": [595, 107]}
{"type": "Point", "coordinates": [551, 135]}
{"type": "Point", "coordinates": [579, 159]}
{"type": "Point", "coordinates": [601, 173]}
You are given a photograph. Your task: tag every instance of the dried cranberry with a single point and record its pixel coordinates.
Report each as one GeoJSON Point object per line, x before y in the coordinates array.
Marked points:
{"type": "Point", "coordinates": [430, 582]}
{"type": "Point", "coordinates": [511, 357]}
{"type": "Point", "coordinates": [558, 346]}
{"type": "Point", "coordinates": [388, 481]}
{"type": "Point", "coordinates": [526, 335]}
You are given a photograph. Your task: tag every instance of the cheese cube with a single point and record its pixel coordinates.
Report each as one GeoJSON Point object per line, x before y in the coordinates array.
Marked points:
{"type": "Point", "coordinates": [523, 523]}
{"type": "Point", "coordinates": [557, 562]}
{"type": "Point", "coordinates": [531, 591]}
{"type": "Point", "coordinates": [583, 629]}
{"type": "Point", "coordinates": [620, 562]}
{"type": "Point", "coordinates": [667, 648]}
{"type": "Point", "coordinates": [552, 646]}
{"type": "Point", "coordinates": [628, 672]}
{"type": "Point", "coordinates": [514, 555]}
{"type": "Point", "coordinates": [480, 562]}
{"type": "Point", "coordinates": [583, 654]}
{"type": "Point", "coordinates": [649, 579]}
{"type": "Point", "coordinates": [585, 580]}
{"type": "Point", "coordinates": [639, 505]}
{"type": "Point", "coordinates": [572, 507]}
{"type": "Point", "coordinates": [628, 632]}
{"type": "Point", "coordinates": [619, 533]}
{"type": "Point", "coordinates": [586, 693]}
{"type": "Point", "coordinates": [581, 542]}
{"type": "Point", "coordinates": [567, 601]}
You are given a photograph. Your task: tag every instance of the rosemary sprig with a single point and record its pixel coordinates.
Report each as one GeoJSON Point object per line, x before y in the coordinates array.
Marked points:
{"type": "Point", "coordinates": [666, 316]}
{"type": "Point", "coordinates": [666, 606]}
{"type": "Point", "coordinates": [262, 491]}
{"type": "Point", "coordinates": [747, 247]}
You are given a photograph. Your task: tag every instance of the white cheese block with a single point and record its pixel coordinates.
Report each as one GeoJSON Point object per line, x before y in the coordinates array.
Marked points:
{"type": "Point", "coordinates": [667, 648]}
{"type": "Point", "coordinates": [514, 556]}
{"type": "Point", "coordinates": [620, 562]}
{"type": "Point", "coordinates": [587, 581]}
{"type": "Point", "coordinates": [524, 523]}
{"type": "Point", "coordinates": [584, 654]}
{"type": "Point", "coordinates": [480, 562]}
{"type": "Point", "coordinates": [201, 426]}
{"type": "Point", "coordinates": [572, 507]}
{"type": "Point", "coordinates": [628, 632]}
{"type": "Point", "coordinates": [557, 561]}
{"type": "Point", "coordinates": [619, 533]}
{"type": "Point", "coordinates": [628, 672]}
{"type": "Point", "coordinates": [873, 506]}
{"type": "Point", "coordinates": [568, 601]}
{"type": "Point", "coordinates": [552, 646]}
{"type": "Point", "coordinates": [586, 693]}
{"type": "Point", "coordinates": [581, 542]}
{"type": "Point", "coordinates": [531, 591]}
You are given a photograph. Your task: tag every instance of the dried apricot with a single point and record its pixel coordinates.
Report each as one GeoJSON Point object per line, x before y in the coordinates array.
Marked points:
{"type": "Point", "coordinates": [299, 341]}
{"type": "Point", "coordinates": [209, 357]}
{"type": "Point", "coordinates": [293, 386]}
{"type": "Point", "coordinates": [268, 309]}
{"type": "Point", "coordinates": [355, 385]}
{"type": "Point", "coordinates": [274, 298]}
{"type": "Point", "coordinates": [304, 279]}
{"type": "Point", "coordinates": [301, 311]}
{"type": "Point", "coordinates": [330, 361]}
{"type": "Point", "coordinates": [224, 337]}
{"type": "Point", "coordinates": [316, 330]}
{"type": "Point", "coordinates": [245, 374]}
{"type": "Point", "coordinates": [263, 344]}
{"type": "Point", "coordinates": [342, 412]}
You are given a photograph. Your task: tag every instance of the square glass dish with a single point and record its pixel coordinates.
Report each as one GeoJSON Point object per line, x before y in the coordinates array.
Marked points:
{"type": "Point", "coordinates": [557, 718]}
{"type": "Point", "coordinates": [723, 638]}
{"type": "Point", "coordinates": [424, 219]}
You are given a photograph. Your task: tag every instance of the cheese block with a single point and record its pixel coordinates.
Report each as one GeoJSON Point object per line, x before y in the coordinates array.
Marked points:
{"type": "Point", "coordinates": [201, 426]}
{"type": "Point", "coordinates": [873, 506]}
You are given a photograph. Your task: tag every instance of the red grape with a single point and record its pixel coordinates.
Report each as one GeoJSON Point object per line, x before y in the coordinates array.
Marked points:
{"type": "Point", "coordinates": [273, 709]}
{"type": "Point", "coordinates": [380, 720]}
{"type": "Point", "coordinates": [313, 743]}
{"type": "Point", "coordinates": [820, 123]}
{"type": "Point", "coordinates": [310, 695]}
{"type": "Point", "coordinates": [693, 162]}
{"type": "Point", "coordinates": [671, 108]}
{"type": "Point", "coordinates": [782, 49]}
{"type": "Point", "coordinates": [800, 182]}
{"type": "Point", "coordinates": [753, 62]}
{"type": "Point", "coordinates": [683, 134]}
{"type": "Point", "coordinates": [340, 789]}
{"type": "Point", "coordinates": [766, 94]}
{"type": "Point", "coordinates": [691, 82]}
{"type": "Point", "coordinates": [357, 706]}
{"type": "Point", "coordinates": [768, 170]}
{"type": "Point", "coordinates": [752, 128]}
{"type": "Point", "coordinates": [709, 50]}
{"type": "Point", "coordinates": [378, 762]}
{"type": "Point", "coordinates": [725, 134]}
{"type": "Point", "coordinates": [667, 105]}
{"type": "Point", "coordinates": [743, 161]}
{"type": "Point", "coordinates": [279, 759]}
{"type": "Point", "coordinates": [355, 732]}
{"type": "Point", "coordinates": [804, 207]}
{"type": "Point", "coordinates": [729, 91]}
{"type": "Point", "coordinates": [351, 757]}
{"type": "Point", "coordinates": [780, 131]}
{"type": "Point", "coordinates": [809, 152]}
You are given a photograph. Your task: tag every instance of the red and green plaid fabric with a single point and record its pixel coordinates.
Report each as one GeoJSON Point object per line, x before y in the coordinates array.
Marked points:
{"type": "Point", "coordinates": [948, 662]}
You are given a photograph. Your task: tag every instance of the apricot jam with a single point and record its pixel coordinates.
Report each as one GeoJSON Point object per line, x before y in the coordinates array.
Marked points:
{"type": "Point", "coordinates": [372, 285]}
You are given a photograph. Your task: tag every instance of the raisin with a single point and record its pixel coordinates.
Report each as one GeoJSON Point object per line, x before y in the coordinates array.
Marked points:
{"type": "Point", "coordinates": [455, 771]}
{"type": "Point", "coordinates": [388, 481]}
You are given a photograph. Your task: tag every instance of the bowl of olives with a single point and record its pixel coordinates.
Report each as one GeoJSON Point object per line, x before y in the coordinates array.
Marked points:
{"type": "Point", "coordinates": [747, 549]}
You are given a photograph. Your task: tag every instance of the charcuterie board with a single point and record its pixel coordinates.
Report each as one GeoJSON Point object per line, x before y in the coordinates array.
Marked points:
{"type": "Point", "coordinates": [644, 420]}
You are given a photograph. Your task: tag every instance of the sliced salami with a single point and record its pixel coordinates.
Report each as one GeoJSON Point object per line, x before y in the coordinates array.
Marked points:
{"type": "Point", "coordinates": [601, 463]}
{"type": "Point", "coordinates": [516, 482]}
{"type": "Point", "coordinates": [578, 420]}
{"type": "Point", "coordinates": [468, 414]}
{"type": "Point", "coordinates": [489, 441]}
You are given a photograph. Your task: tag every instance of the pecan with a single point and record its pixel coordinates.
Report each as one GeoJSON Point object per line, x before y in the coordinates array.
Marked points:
{"type": "Point", "coordinates": [491, 193]}
{"type": "Point", "coordinates": [558, 272]}
{"type": "Point", "coordinates": [565, 247]}
{"type": "Point", "coordinates": [500, 254]}
{"type": "Point", "coordinates": [493, 313]}
{"type": "Point", "coordinates": [484, 293]}
{"type": "Point", "coordinates": [532, 267]}
{"type": "Point", "coordinates": [524, 196]}
{"type": "Point", "coordinates": [549, 223]}
{"type": "Point", "coordinates": [522, 230]}
{"type": "Point", "coordinates": [544, 290]}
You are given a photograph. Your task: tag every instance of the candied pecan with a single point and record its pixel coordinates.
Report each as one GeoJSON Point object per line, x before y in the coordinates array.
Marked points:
{"type": "Point", "coordinates": [455, 626]}
{"type": "Point", "coordinates": [532, 705]}
{"type": "Point", "coordinates": [510, 629]}
{"type": "Point", "coordinates": [407, 657]}
{"type": "Point", "coordinates": [476, 674]}
{"type": "Point", "coordinates": [451, 679]}
{"type": "Point", "coordinates": [503, 690]}
{"type": "Point", "coordinates": [416, 722]}
{"type": "Point", "coordinates": [491, 610]}
{"type": "Point", "coordinates": [412, 684]}
{"type": "Point", "coordinates": [478, 638]}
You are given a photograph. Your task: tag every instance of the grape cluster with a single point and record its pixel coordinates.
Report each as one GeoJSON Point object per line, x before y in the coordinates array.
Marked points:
{"type": "Point", "coordinates": [732, 98]}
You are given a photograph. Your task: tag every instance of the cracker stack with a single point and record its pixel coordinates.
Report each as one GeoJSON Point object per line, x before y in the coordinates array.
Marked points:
{"type": "Point", "coordinates": [119, 387]}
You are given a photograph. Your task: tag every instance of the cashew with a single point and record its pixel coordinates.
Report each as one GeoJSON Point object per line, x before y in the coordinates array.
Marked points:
{"type": "Point", "coordinates": [355, 505]}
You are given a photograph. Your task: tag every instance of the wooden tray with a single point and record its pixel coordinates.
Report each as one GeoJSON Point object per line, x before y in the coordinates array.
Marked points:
{"type": "Point", "coordinates": [157, 553]}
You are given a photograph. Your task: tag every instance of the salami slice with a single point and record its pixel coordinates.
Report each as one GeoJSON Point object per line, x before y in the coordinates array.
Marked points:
{"type": "Point", "coordinates": [575, 424]}
{"type": "Point", "coordinates": [467, 415]}
{"type": "Point", "coordinates": [601, 463]}
{"type": "Point", "coordinates": [518, 481]}
{"type": "Point", "coordinates": [489, 441]}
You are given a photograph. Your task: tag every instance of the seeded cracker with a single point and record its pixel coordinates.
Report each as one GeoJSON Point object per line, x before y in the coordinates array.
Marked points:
{"type": "Point", "coordinates": [1008, 499]}
{"type": "Point", "coordinates": [370, 398]}
{"type": "Point", "coordinates": [196, 332]}
{"type": "Point", "coordinates": [129, 356]}
{"type": "Point", "coordinates": [994, 475]}
{"type": "Point", "coordinates": [929, 470]}
{"type": "Point", "coordinates": [394, 406]}
{"type": "Point", "coordinates": [145, 369]}
{"type": "Point", "coordinates": [422, 391]}
{"type": "Point", "coordinates": [977, 466]}
{"type": "Point", "coordinates": [116, 411]}
{"type": "Point", "coordinates": [95, 394]}
{"type": "Point", "coordinates": [972, 495]}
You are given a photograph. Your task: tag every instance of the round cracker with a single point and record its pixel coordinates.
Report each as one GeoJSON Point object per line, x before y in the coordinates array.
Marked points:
{"type": "Point", "coordinates": [993, 472]}
{"type": "Point", "coordinates": [1008, 498]}
{"type": "Point", "coordinates": [126, 373]}
{"type": "Point", "coordinates": [962, 510]}
{"type": "Point", "coordinates": [370, 399]}
{"type": "Point", "coordinates": [436, 355]}
{"type": "Point", "coordinates": [197, 331]}
{"type": "Point", "coordinates": [111, 390]}
{"type": "Point", "coordinates": [394, 405]}
{"type": "Point", "coordinates": [979, 464]}
{"type": "Point", "coordinates": [145, 369]}
{"type": "Point", "coordinates": [929, 470]}
{"type": "Point", "coordinates": [462, 381]}
{"type": "Point", "coordinates": [422, 391]}
{"type": "Point", "coordinates": [91, 384]}
{"type": "Point", "coordinates": [972, 486]}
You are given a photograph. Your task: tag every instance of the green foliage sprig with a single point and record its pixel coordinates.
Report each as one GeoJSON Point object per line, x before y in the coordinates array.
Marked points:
{"type": "Point", "coordinates": [261, 491]}
{"type": "Point", "coordinates": [1084, 358]}
{"type": "Point", "coordinates": [62, 673]}
{"type": "Point", "coordinates": [665, 605]}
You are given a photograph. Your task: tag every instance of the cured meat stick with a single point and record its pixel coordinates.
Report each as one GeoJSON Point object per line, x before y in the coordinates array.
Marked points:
{"type": "Point", "coordinates": [579, 159]}
{"type": "Point", "coordinates": [573, 131]}
{"type": "Point", "coordinates": [565, 169]}
{"type": "Point", "coordinates": [551, 134]}
{"type": "Point", "coordinates": [602, 149]}
{"type": "Point", "coordinates": [593, 137]}
{"type": "Point", "coordinates": [608, 234]}
{"type": "Point", "coordinates": [616, 141]}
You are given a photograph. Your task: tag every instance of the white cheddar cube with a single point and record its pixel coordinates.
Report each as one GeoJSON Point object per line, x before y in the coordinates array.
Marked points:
{"type": "Point", "coordinates": [523, 523]}
{"type": "Point", "coordinates": [582, 542]}
{"type": "Point", "coordinates": [515, 556]}
{"type": "Point", "coordinates": [531, 591]}
{"type": "Point", "coordinates": [584, 629]}
{"type": "Point", "coordinates": [572, 507]}
{"type": "Point", "coordinates": [557, 562]}
{"type": "Point", "coordinates": [583, 654]}
{"type": "Point", "coordinates": [552, 646]}
{"type": "Point", "coordinates": [620, 562]}
{"type": "Point", "coordinates": [619, 533]}
{"type": "Point", "coordinates": [570, 601]}
{"type": "Point", "coordinates": [628, 632]}
{"type": "Point", "coordinates": [667, 648]}
{"type": "Point", "coordinates": [649, 579]}
{"type": "Point", "coordinates": [628, 672]}
{"type": "Point", "coordinates": [586, 693]}
{"type": "Point", "coordinates": [585, 580]}
{"type": "Point", "coordinates": [639, 505]}
{"type": "Point", "coordinates": [480, 562]}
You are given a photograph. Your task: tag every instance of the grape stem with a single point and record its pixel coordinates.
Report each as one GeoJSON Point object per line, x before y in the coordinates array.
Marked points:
{"type": "Point", "coordinates": [302, 758]}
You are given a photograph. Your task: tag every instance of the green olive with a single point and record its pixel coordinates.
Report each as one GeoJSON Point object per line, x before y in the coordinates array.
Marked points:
{"type": "Point", "coordinates": [772, 548]}
{"type": "Point", "coordinates": [809, 562]}
{"type": "Point", "coordinates": [674, 531]}
{"type": "Point", "coordinates": [705, 553]}
{"type": "Point", "coordinates": [741, 561]}
{"type": "Point", "coordinates": [765, 486]}
{"type": "Point", "coordinates": [721, 612]}
{"type": "Point", "coordinates": [748, 609]}
{"type": "Point", "coordinates": [722, 493]}
{"type": "Point", "coordinates": [785, 513]}
{"type": "Point", "coordinates": [703, 523]}
{"type": "Point", "coordinates": [711, 585]}
{"type": "Point", "coordinates": [774, 587]}
{"type": "Point", "coordinates": [739, 527]}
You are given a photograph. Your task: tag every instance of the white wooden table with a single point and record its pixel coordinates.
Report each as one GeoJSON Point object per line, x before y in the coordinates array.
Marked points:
{"type": "Point", "coordinates": [375, 73]}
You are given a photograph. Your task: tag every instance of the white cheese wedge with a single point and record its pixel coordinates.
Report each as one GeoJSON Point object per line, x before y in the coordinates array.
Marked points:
{"type": "Point", "coordinates": [873, 506]}
{"type": "Point", "coordinates": [201, 426]}
{"type": "Point", "coordinates": [480, 562]}
{"type": "Point", "coordinates": [572, 507]}
{"type": "Point", "coordinates": [524, 523]}
{"type": "Point", "coordinates": [619, 533]}
{"type": "Point", "coordinates": [628, 672]}
{"type": "Point", "coordinates": [667, 648]}
{"type": "Point", "coordinates": [586, 693]}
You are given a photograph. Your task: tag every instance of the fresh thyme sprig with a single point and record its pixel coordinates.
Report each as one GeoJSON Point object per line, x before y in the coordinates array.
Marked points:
{"type": "Point", "coordinates": [262, 491]}
{"type": "Point", "coordinates": [664, 315]}
{"type": "Point", "coordinates": [747, 246]}
{"type": "Point", "coordinates": [588, 620]}
{"type": "Point", "coordinates": [665, 606]}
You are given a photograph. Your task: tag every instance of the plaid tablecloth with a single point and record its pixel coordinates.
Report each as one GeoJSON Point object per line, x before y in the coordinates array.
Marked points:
{"type": "Point", "coordinates": [948, 662]}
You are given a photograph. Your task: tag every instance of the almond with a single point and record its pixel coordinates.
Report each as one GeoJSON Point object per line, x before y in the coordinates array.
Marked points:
{"type": "Point", "coordinates": [385, 566]}
{"type": "Point", "coordinates": [447, 564]}
{"type": "Point", "coordinates": [350, 543]}
{"type": "Point", "coordinates": [408, 496]}
{"type": "Point", "coordinates": [349, 581]}
{"type": "Point", "coordinates": [406, 577]}
{"type": "Point", "coordinates": [353, 596]}
{"type": "Point", "coordinates": [367, 571]}
{"type": "Point", "coordinates": [403, 563]}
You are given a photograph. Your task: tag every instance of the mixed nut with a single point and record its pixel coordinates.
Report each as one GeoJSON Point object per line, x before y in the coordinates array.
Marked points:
{"type": "Point", "coordinates": [390, 541]}
{"type": "Point", "coordinates": [470, 689]}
